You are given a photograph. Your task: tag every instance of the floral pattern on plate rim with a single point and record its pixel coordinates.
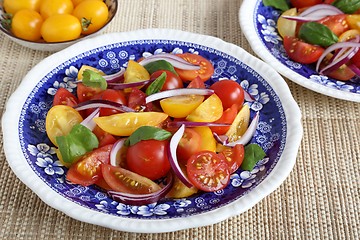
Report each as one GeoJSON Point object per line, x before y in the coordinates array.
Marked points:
{"type": "Point", "coordinates": [40, 153]}
{"type": "Point", "coordinates": [265, 19]}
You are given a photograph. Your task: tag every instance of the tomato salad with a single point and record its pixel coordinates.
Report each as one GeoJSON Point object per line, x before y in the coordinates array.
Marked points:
{"type": "Point", "coordinates": [325, 33]}
{"type": "Point", "coordinates": [154, 129]}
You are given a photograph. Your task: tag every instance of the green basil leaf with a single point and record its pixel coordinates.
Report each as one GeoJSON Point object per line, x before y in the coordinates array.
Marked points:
{"type": "Point", "coordinates": [318, 34]}
{"type": "Point", "coordinates": [159, 65]}
{"type": "Point", "coordinates": [94, 79]}
{"type": "Point", "coordinates": [147, 133]}
{"type": "Point", "coordinates": [79, 141]}
{"type": "Point", "coordinates": [347, 6]}
{"type": "Point", "coordinates": [253, 154]}
{"type": "Point", "coordinates": [156, 85]}
{"type": "Point", "coordinates": [278, 4]}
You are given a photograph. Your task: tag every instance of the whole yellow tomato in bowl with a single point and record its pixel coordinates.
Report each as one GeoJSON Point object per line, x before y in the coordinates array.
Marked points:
{"type": "Point", "coordinates": [51, 25]}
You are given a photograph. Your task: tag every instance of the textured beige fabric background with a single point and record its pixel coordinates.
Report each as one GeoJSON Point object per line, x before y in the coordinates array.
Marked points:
{"type": "Point", "coordinates": [319, 200]}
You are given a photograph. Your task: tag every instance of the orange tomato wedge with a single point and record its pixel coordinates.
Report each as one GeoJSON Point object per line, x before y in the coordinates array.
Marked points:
{"type": "Point", "coordinates": [208, 111]}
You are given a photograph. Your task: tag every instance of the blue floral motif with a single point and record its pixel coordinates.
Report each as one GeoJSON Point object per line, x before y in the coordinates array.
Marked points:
{"type": "Point", "coordinates": [152, 209]}
{"type": "Point", "coordinates": [41, 150]}
{"type": "Point", "coordinates": [50, 167]}
{"type": "Point", "coordinates": [269, 29]}
{"type": "Point", "coordinates": [69, 81]}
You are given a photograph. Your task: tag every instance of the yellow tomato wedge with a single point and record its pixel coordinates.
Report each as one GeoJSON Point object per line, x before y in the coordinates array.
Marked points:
{"type": "Point", "coordinates": [135, 73]}
{"type": "Point", "coordinates": [180, 190]}
{"type": "Point", "coordinates": [59, 121]}
{"type": "Point", "coordinates": [181, 106]}
{"type": "Point", "coordinates": [353, 20]}
{"type": "Point", "coordinates": [285, 26]}
{"type": "Point", "coordinates": [124, 124]}
{"type": "Point", "coordinates": [239, 125]}
{"type": "Point", "coordinates": [208, 111]}
{"type": "Point", "coordinates": [85, 67]}
{"type": "Point", "coordinates": [349, 34]}
{"type": "Point", "coordinates": [208, 142]}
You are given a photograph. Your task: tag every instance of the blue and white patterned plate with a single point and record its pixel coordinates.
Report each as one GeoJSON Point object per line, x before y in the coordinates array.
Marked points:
{"type": "Point", "coordinates": [32, 157]}
{"type": "Point", "coordinates": [258, 24]}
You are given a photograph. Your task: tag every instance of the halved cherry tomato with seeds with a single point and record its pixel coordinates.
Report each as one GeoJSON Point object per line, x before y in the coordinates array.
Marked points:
{"type": "Point", "coordinates": [233, 156]}
{"type": "Point", "coordinates": [300, 51]}
{"type": "Point", "coordinates": [64, 97]}
{"type": "Point", "coordinates": [204, 73]}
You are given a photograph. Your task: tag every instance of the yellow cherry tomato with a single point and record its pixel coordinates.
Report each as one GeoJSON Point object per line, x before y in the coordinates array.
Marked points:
{"type": "Point", "coordinates": [124, 124]}
{"type": "Point", "coordinates": [240, 124]}
{"type": "Point", "coordinates": [353, 20]}
{"type": "Point", "coordinates": [26, 24]}
{"type": "Point", "coordinates": [59, 121]}
{"type": "Point", "coordinates": [76, 2]}
{"type": "Point", "coordinates": [12, 6]}
{"type": "Point", "coordinates": [93, 14]}
{"type": "Point", "coordinates": [181, 106]}
{"type": "Point", "coordinates": [52, 7]}
{"type": "Point", "coordinates": [208, 111]}
{"type": "Point", "coordinates": [61, 28]}
{"type": "Point", "coordinates": [349, 34]}
{"type": "Point", "coordinates": [208, 141]}
{"type": "Point", "coordinates": [180, 190]}
{"type": "Point", "coordinates": [285, 26]}
{"type": "Point", "coordinates": [135, 73]}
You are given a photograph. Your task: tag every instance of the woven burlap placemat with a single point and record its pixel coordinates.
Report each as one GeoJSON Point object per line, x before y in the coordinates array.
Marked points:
{"type": "Point", "coordinates": [319, 200]}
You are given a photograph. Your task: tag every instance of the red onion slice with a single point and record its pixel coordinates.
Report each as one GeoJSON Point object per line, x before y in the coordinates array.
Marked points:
{"type": "Point", "coordinates": [98, 103]}
{"type": "Point", "coordinates": [315, 13]}
{"type": "Point", "coordinates": [174, 60]}
{"type": "Point", "coordinates": [197, 124]}
{"type": "Point", "coordinates": [88, 121]}
{"type": "Point", "coordinates": [115, 77]}
{"type": "Point", "coordinates": [338, 60]}
{"type": "Point", "coordinates": [114, 157]}
{"type": "Point", "coordinates": [355, 69]}
{"type": "Point", "coordinates": [174, 142]}
{"type": "Point", "coordinates": [143, 199]}
{"type": "Point", "coordinates": [120, 86]}
{"type": "Point", "coordinates": [178, 92]}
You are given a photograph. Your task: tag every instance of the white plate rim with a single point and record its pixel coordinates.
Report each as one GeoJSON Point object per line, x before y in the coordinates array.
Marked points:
{"type": "Point", "coordinates": [23, 171]}
{"type": "Point", "coordinates": [246, 17]}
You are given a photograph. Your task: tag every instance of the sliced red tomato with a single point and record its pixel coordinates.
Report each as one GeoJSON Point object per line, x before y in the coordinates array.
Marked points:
{"type": "Point", "coordinates": [136, 100]}
{"type": "Point", "coordinates": [207, 171]}
{"type": "Point", "coordinates": [196, 83]}
{"type": "Point", "coordinates": [102, 183]}
{"type": "Point", "coordinates": [112, 95]}
{"type": "Point", "coordinates": [206, 68]}
{"type": "Point", "coordinates": [87, 170]}
{"type": "Point", "coordinates": [336, 23]}
{"type": "Point", "coordinates": [104, 137]}
{"type": "Point", "coordinates": [300, 51]}
{"type": "Point", "coordinates": [122, 180]}
{"type": "Point", "coordinates": [149, 158]}
{"type": "Point", "coordinates": [343, 73]}
{"type": "Point", "coordinates": [233, 156]}
{"type": "Point", "coordinates": [64, 97]}
{"type": "Point", "coordinates": [189, 144]}
{"type": "Point", "coordinates": [304, 3]}
{"type": "Point", "coordinates": [85, 93]}
{"type": "Point", "coordinates": [228, 116]}
{"type": "Point", "coordinates": [230, 92]}
{"type": "Point", "coordinates": [172, 80]}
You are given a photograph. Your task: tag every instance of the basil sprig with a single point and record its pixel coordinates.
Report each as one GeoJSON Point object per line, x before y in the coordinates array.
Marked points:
{"type": "Point", "coordinates": [347, 6]}
{"type": "Point", "coordinates": [93, 79]}
{"type": "Point", "coordinates": [278, 4]}
{"type": "Point", "coordinates": [156, 85]}
{"type": "Point", "coordinates": [147, 133]}
{"type": "Point", "coordinates": [253, 154]}
{"type": "Point", "coordinates": [318, 34]}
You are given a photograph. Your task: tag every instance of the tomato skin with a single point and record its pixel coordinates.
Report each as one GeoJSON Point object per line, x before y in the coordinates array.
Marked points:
{"type": "Point", "coordinates": [61, 28]}
{"type": "Point", "coordinates": [136, 100]}
{"type": "Point", "coordinates": [189, 144]}
{"type": "Point", "coordinates": [230, 92]}
{"type": "Point", "coordinates": [207, 171]}
{"type": "Point", "coordinates": [26, 24]}
{"type": "Point", "coordinates": [149, 158]}
{"type": "Point", "coordinates": [122, 180]}
{"type": "Point", "coordinates": [114, 96]}
{"type": "Point", "coordinates": [12, 6]}
{"type": "Point", "coordinates": [228, 116]}
{"type": "Point", "coordinates": [204, 73]}
{"type": "Point", "coordinates": [51, 7]}
{"type": "Point", "coordinates": [95, 12]}
{"type": "Point", "coordinates": [64, 97]}
{"type": "Point", "coordinates": [172, 81]}
{"type": "Point", "coordinates": [336, 23]}
{"type": "Point", "coordinates": [87, 170]}
{"type": "Point", "coordinates": [233, 156]}
{"type": "Point", "coordinates": [300, 51]}
{"type": "Point", "coordinates": [304, 3]}
{"type": "Point", "coordinates": [85, 93]}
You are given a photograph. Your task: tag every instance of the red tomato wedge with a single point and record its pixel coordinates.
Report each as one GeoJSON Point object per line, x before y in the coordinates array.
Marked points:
{"type": "Point", "coordinates": [122, 180]}
{"type": "Point", "coordinates": [206, 68]}
{"type": "Point", "coordinates": [207, 171]}
{"type": "Point", "coordinates": [189, 144]}
{"type": "Point", "coordinates": [87, 170]}
{"type": "Point", "coordinates": [64, 97]}
{"type": "Point", "coordinates": [228, 116]}
{"type": "Point", "coordinates": [300, 51]}
{"type": "Point", "coordinates": [336, 23]}
{"type": "Point", "coordinates": [233, 156]}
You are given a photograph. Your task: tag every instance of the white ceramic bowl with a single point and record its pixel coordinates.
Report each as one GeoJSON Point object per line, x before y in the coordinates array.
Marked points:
{"type": "Point", "coordinates": [53, 47]}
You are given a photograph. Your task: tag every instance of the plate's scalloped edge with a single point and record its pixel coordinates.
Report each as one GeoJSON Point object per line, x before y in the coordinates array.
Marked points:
{"type": "Point", "coordinates": [246, 23]}
{"type": "Point", "coordinates": [278, 175]}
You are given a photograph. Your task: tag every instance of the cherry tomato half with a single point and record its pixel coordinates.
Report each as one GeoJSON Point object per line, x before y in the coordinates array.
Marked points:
{"type": "Point", "coordinates": [233, 156]}
{"type": "Point", "coordinates": [189, 144]}
{"type": "Point", "coordinates": [149, 158]}
{"type": "Point", "coordinates": [300, 51]}
{"type": "Point", "coordinates": [230, 92]}
{"type": "Point", "coordinates": [64, 97]}
{"type": "Point", "coordinates": [206, 68]}
{"type": "Point", "coordinates": [207, 171]}
{"type": "Point", "coordinates": [87, 170]}
{"type": "Point", "coordinates": [172, 80]}
{"type": "Point", "coordinates": [337, 23]}
{"type": "Point", "coordinates": [228, 117]}
{"type": "Point", "coordinates": [26, 24]}
{"type": "Point", "coordinates": [114, 96]}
